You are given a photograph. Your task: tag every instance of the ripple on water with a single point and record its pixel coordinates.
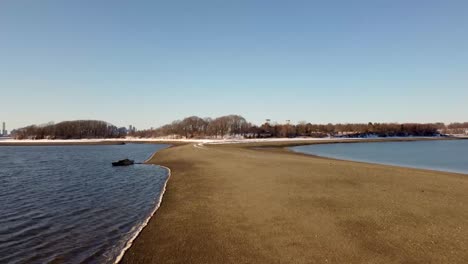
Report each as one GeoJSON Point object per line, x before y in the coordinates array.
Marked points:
{"type": "Point", "coordinates": [67, 204]}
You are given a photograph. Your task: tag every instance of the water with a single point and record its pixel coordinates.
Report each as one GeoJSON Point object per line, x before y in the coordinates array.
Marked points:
{"type": "Point", "coordinates": [67, 204]}
{"type": "Point", "coordinates": [442, 155]}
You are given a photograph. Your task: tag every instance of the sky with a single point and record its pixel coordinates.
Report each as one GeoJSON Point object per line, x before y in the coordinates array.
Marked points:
{"type": "Point", "coordinates": [147, 63]}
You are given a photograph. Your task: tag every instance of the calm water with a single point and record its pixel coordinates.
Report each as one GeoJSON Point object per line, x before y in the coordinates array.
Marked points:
{"type": "Point", "coordinates": [67, 204]}
{"type": "Point", "coordinates": [443, 155]}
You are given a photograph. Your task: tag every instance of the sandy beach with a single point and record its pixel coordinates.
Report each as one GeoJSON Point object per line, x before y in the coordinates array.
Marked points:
{"type": "Point", "coordinates": [238, 204]}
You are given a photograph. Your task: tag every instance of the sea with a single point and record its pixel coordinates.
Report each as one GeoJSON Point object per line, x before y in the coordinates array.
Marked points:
{"type": "Point", "coordinates": [68, 204]}
{"type": "Point", "coordinates": [440, 155]}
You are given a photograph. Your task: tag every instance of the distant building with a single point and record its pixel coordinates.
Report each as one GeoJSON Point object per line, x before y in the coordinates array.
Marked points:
{"type": "Point", "coordinates": [4, 131]}
{"type": "Point", "coordinates": [131, 129]}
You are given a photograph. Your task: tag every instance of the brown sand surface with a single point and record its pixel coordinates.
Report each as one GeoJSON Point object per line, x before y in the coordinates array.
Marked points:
{"type": "Point", "coordinates": [232, 204]}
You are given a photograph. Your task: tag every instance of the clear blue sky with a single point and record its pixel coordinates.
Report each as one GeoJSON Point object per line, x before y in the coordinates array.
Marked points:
{"type": "Point", "coordinates": [147, 63]}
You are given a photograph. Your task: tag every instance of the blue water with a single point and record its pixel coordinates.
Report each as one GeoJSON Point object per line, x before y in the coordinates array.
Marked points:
{"type": "Point", "coordinates": [442, 155]}
{"type": "Point", "coordinates": [67, 204]}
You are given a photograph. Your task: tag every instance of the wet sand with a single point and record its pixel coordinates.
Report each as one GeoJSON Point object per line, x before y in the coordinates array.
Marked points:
{"type": "Point", "coordinates": [238, 204]}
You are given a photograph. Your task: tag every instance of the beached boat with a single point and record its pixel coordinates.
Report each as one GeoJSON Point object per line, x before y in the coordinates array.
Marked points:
{"type": "Point", "coordinates": [124, 162]}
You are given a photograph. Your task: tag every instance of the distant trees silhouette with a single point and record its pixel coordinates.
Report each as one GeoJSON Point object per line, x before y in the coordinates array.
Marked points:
{"type": "Point", "coordinates": [196, 127]}
{"type": "Point", "coordinates": [457, 128]}
{"type": "Point", "coordinates": [235, 126]}
{"type": "Point", "coordinates": [78, 129]}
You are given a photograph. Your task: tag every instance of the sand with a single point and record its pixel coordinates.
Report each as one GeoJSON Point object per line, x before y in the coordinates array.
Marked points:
{"type": "Point", "coordinates": [237, 204]}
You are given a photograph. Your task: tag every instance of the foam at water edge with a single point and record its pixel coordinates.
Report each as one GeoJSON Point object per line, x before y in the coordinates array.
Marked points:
{"type": "Point", "coordinates": [130, 241]}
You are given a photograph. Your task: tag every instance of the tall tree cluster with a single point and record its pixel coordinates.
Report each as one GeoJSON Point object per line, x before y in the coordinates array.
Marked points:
{"type": "Point", "coordinates": [197, 127]}
{"type": "Point", "coordinates": [79, 129]}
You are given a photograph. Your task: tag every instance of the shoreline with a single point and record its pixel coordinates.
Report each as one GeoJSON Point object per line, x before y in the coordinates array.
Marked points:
{"type": "Point", "coordinates": [20, 143]}
{"type": "Point", "coordinates": [263, 141]}
{"type": "Point", "coordinates": [129, 243]}
{"type": "Point", "coordinates": [384, 164]}
{"type": "Point", "coordinates": [289, 149]}
{"type": "Point", "coordinates": [296, 196]}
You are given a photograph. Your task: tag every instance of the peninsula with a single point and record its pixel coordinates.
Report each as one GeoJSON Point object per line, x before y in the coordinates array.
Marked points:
{"type": "Point", "coordinates": [259, 203]}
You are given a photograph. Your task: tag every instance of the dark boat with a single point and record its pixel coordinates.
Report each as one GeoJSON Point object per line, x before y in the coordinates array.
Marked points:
{"type": "Point", "coordinates": [124, 162]}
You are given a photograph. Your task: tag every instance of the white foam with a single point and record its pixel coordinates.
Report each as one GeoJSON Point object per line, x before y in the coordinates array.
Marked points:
{"type": "Point", "coordinates": [145, 223]}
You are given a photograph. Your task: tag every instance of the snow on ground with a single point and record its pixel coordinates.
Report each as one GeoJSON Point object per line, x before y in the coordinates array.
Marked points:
{"type": "Point", "coordinates": [200, 142]}
{"type": "Point", "coordinates": [162, 140]}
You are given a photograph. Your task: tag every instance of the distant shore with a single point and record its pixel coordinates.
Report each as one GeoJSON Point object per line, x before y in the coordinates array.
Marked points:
{"type": "Point", "coordinates": [58, 142]}
{"type": "Point", "coordinates": [260, 203]}
{"type": "Point", "coordinates": [76, 142]}
{"type": "Point", "coordinates": [268, 141]}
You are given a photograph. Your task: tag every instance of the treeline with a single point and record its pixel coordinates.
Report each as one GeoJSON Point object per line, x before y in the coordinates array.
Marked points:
{"type": "Point", "coordinates": [456, 128]}
{"type": "Point", "coordinates": [79, 129]}
{"type": "Point", "coordinates": [304, 129]}
{"type": "Point", "coordinates": [234, 126]}
{"type": "Point", "coordinates": [197, 127]}
{"type": "Point", "coordinates": [370, 129]}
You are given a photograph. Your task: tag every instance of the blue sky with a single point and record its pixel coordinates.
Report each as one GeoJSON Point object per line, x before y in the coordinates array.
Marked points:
{"type": "Point", "coordinates": [147, 63]}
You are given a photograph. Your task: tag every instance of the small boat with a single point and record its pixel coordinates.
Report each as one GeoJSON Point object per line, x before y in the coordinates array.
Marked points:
{"type": "Point", "coordinates": [124, 162]}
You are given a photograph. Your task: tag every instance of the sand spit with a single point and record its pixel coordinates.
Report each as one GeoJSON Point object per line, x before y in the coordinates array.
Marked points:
{"type": "Point", "coordinates": [237, 204]}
